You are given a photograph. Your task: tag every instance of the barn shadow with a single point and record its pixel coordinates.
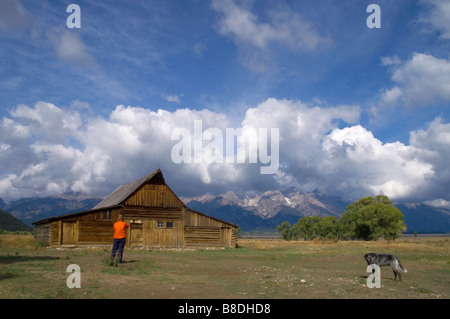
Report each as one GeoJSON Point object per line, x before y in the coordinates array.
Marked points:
{"type": "Point", "coordinates": [7, 276]}
{"type": "Point", "coordinates": [5, 260]}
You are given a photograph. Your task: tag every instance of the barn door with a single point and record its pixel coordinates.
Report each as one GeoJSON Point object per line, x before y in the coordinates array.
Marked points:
{"type": "Point", "coordinates": [69, 233]}
{"type": "Point", "coordinates": [136, 235]}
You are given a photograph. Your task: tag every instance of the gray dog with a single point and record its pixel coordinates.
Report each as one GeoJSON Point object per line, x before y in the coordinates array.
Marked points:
{"type": "Point", "coordinates": [386, 260]}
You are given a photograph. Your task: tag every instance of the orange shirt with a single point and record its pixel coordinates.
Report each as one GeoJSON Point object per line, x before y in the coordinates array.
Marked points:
{"type": "Point", "coordinates": [120, 230]}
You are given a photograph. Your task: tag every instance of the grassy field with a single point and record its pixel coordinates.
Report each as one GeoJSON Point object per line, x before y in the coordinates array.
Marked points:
{"type": "Point", "coordinates": [268, 269]}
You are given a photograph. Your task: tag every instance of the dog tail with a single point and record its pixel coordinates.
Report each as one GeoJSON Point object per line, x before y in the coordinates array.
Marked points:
{"type": "Point", "coordinates": [401, 267]}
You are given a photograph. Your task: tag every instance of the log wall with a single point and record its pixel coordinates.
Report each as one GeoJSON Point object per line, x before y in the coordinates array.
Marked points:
{"type": "Point", "coordinates": [202, 237]}
{"type": "Point", "coordinates": [42, 234]}
{"type": "Point", "coordinates": [151, 195]}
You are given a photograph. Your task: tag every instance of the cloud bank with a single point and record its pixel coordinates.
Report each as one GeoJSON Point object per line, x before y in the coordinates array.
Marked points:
{"type": "Point", "coordinates": [283, 26]}
{"type": "Point", "coordinates": [420, 81]}
{"type": "Point", "coordinates": [47, 150]}
{"type": "Point", "coordinates": [256, 37]}
{"type": "Point", "coordinates": [438, 17]}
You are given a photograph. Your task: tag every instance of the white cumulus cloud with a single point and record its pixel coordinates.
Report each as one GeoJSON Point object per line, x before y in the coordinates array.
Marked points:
{"type": "Point", "coordinates": [438, 16]}
{"type": "Point", "coordinates": [256, 37]}
{"type": "Point", "coordinates": [420, 81]}
{"type": "Point", "coordinates": [359, 164]}
{"type": "Point", "coordinates": [70, 48]}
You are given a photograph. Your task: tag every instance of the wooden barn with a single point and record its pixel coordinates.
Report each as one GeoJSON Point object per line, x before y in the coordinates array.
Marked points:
{"type": "Point", "coordinates": [157, 218]}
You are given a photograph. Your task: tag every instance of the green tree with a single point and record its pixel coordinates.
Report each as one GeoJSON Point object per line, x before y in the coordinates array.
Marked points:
{"type": "Point", "coordinates": [285, 229]}
{"type": "Point", "coordinates": [327, 227]}
{"type": "Point", "coordinates": [311, 227]}
{"type": "Point", "coordinates": [370, 218]}
{"type": "Point", "coordinates": [304, 228]}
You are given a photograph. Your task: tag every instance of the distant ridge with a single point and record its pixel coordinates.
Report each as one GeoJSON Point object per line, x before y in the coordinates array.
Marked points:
{"type": "Point", "coordinates": [29, 210]}
{"type": "Point", "coordinates": [425, 219]}
{"type": "Point", "coordinates": [10, 223]}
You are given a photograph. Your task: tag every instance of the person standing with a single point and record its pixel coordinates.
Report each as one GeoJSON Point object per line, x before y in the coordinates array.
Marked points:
{"type": "Point", "coordinates": [120, 237]}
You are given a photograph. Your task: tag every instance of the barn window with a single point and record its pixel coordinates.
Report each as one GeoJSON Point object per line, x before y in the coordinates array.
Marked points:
{"type": "Point", "coordinates": [160, 224]}
{"type": "Point", "coordinates": [169, 225]}
{"type": "Point", "coordinates": [107, 215]}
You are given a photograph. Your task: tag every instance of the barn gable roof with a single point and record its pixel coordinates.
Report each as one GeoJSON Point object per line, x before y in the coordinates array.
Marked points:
{"type": "Point", "coordinates": [122, 192]}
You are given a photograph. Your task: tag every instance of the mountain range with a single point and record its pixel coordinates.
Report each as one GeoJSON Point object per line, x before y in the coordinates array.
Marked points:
{"type": "Point", "coordinates": [267, 210]}
{"type": "Point", "coordinates": [29, 210]}
{"type": "Point", "coordinates": [257, 212]}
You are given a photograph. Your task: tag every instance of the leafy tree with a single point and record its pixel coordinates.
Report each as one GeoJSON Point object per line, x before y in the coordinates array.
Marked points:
{"type": "Point", "coordinates": [303, 228]}
{"type": "Point", "coordinates": [311, 227]}
{"type": "Point", "coordinates": [370, 218]}
{"type": "Point", "coordinates": [328, 227]}
{"type": "Point", "coordinates": [285, 229]}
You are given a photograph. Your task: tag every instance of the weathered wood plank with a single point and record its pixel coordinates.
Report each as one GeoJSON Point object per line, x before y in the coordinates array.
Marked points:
{"type": "Point", "coordinates": [202, 236]}
{"type": "Point", "coordinates": [154, 196]}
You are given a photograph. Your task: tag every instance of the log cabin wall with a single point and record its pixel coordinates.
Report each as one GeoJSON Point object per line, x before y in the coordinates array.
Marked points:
{"type": "Point", "coordinates": [95, 228]}
{"type": "Point", "coordinates": [154, 227]}
{"type": "Point", "coordinates": [154, 195]}
{"type": "Point", "coordinates": [155, 216]}
{"type": "Point", "coordinates": [42, 234]}
{"type": "Point", "coordinates": [163, 234]}
{"type": "Point", "coordinates": [204, 231]}
{"type": "Point", "coordinates": [54, 238]}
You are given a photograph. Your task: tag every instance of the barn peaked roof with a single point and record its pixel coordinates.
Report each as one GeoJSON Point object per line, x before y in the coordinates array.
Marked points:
{"type": "Point", "coordinates": [124, 191]}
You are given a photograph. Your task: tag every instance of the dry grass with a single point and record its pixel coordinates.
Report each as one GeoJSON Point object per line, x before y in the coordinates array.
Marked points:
{"type": "Point", "coordinates": [423, 244]}
{"type": "Point", "coordinates": [19, 241]}
{"type": "Point", "coordinates": [258, 269]}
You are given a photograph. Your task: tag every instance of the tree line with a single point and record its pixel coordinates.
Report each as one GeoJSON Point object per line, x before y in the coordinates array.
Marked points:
{"type": "Point", "coordinates": [368, 218]}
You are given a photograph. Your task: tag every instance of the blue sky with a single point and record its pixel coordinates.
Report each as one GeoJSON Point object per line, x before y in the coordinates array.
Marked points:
{"type": "Point", "coordinates": [383, 92]}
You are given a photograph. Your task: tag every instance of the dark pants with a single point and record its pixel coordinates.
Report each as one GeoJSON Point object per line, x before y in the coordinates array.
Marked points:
{"type": "Point", "coordinates": [118, 244]}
